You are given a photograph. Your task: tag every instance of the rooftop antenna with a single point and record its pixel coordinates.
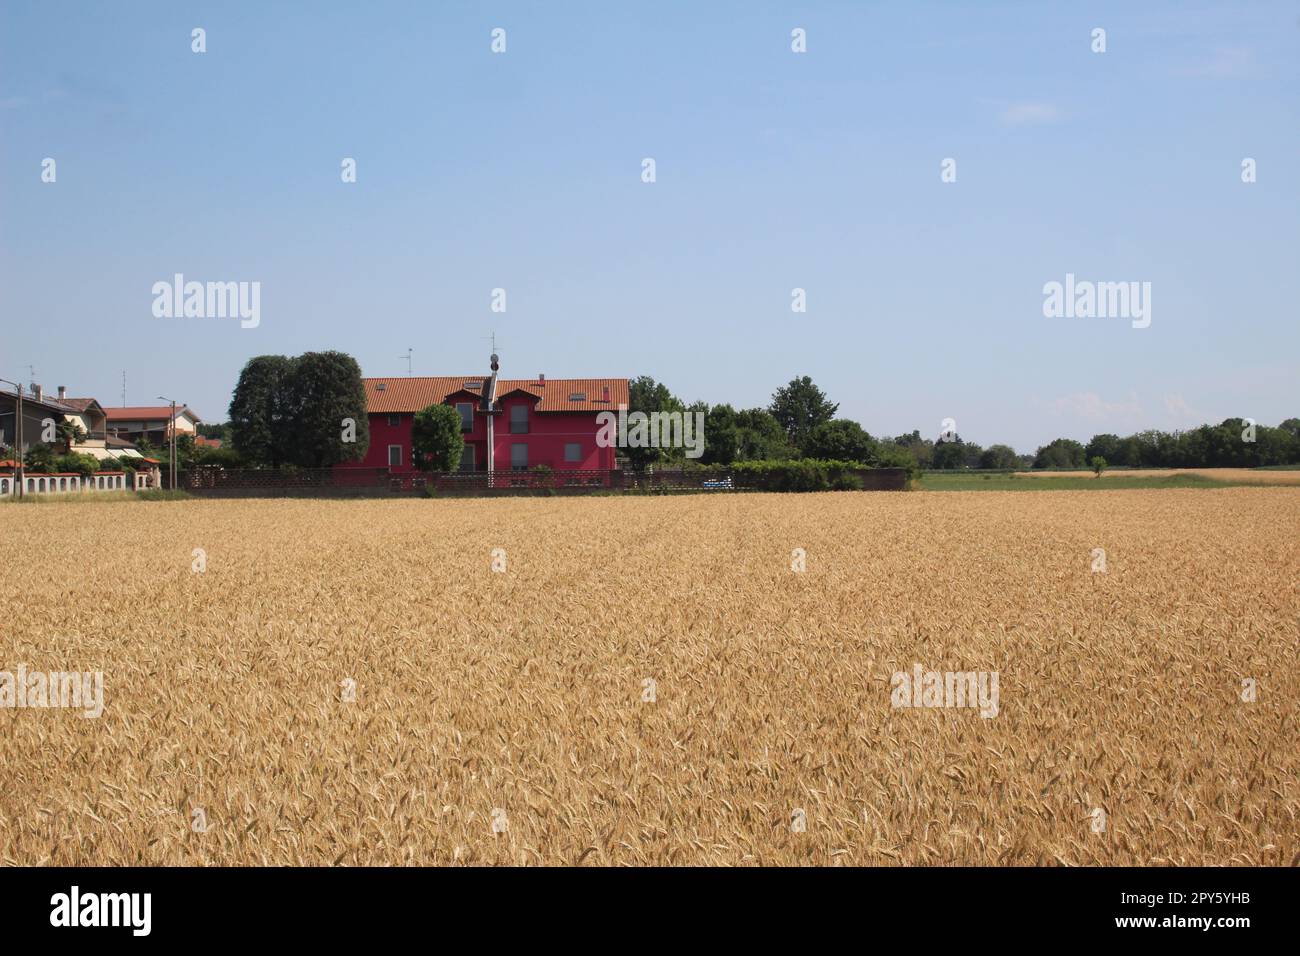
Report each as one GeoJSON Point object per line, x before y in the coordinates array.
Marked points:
{"type": "Point", "coordinates": [407, 356]}
{"type": "Point", "coordinates": [31, 373]}
{"type": "Point", "coordinates": [493, 338]}
{"type": "Point", "coordinates": [124, 388]}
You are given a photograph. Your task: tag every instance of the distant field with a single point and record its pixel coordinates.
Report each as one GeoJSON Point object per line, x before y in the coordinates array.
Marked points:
{"type": "Point", "coordinates": [1266, 476]}
{"type": "Point", "coordinates": [1110, 480]}
{"type": "Point", "coordinates": [521, 698]}
{"type": "Point", "coordinates": [1068, 481]}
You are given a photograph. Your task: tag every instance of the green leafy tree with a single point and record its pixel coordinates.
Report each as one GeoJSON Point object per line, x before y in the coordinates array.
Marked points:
{"type": "Point", "coordinates": [921, 449]}
{"type": "Point", "coordinates": [841, 440]}
{"type": "Point", "coordinates": [1098, 465]}
{"type": "Point", "coordinates": [1061, 453]}
{"type": "Point", "coordinates": [760, 437]}
{"type": "Point", "coordinates": [949, 454]}
{"type": "Point", "coordinates": [999, 456]}
{"type": "Point", "coordinates": [220, 431]}
{"type": "Point", "coordinates": [262, 411]}
{"type": "Point", "coordinates": [436, 439]}
{"type": "Point", "coordinates": [291, 411]}
{"type": "Point", "coordinates": [721, 436]}
{"type": "Point", "coordinates": [1106, 446]}
{"type": "Point", "coordinates": [326, 389]}
{"type": "Point", "coordinates": [799, 408]}
{"type": "Point", "coordinates": [647, 395]}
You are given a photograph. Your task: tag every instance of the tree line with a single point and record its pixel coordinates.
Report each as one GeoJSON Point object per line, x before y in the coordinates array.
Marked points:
{"type": "Point", "coordinates": [289, 411]}
{"type": "Point", "coordinates": [801, 422]}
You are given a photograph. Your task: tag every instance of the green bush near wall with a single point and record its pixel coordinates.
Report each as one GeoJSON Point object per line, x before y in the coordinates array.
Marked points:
{"type": "Point", "coordinates": [800, 474]}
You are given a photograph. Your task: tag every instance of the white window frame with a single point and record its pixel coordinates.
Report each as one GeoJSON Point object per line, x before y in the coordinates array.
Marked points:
{"type": "Point", "coordinates": [398, 463]}
{"type": "Point", "coordinates": [513, 446]}
{"type": "Point", "coordinates": [470, 406]}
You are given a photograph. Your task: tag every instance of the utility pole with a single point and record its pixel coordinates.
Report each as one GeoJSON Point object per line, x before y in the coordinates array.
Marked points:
{"type": "Point", "coordinates": [18, 433]}
{"type": "Point", "coordinates": [171, 463]}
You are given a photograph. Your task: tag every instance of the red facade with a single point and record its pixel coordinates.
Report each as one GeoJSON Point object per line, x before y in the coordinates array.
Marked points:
{"type": "Point", "coordinates": [542, 421]}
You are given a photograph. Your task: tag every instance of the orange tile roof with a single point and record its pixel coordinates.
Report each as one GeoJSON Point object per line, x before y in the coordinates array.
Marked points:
{"type": "Point", "coordinates": [146, 412]}
{"type": "Point", "coordinates": [411, 394]}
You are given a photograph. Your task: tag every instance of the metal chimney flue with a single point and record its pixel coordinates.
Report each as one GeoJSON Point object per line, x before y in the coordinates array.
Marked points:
{"type": "Point", "coordinates": [63, 392]}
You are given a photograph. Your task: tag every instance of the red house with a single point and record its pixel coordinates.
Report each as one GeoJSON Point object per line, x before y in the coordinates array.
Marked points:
{"type": "Point", "coordinates": [508, 424]}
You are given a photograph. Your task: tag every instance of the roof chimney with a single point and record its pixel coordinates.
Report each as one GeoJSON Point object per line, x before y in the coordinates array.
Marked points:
{"type": "Point", "coordinates": [541, 379]}
{"type": "Point", "coordinates": [38, 392]}
{"type": "Point", "coordinates": [606, 398]}
{"type": "Point", "coordinates": [63, 392]}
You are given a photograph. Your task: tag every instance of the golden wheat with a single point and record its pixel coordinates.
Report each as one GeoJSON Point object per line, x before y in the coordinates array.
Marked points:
{"type": "Point", "coordinates": [506, 717]}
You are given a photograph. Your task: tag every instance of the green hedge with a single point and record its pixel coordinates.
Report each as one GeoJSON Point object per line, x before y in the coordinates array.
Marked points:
{"type": "Point", "coordinates": [801, 474]}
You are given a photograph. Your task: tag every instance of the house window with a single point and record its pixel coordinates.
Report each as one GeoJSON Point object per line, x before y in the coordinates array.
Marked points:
{"type": "Point", "coordinates": [519, 419]}
{"type": "Point", "coordinates": [573, 451]}
{"type": "Point", "coordinates": [394, 456]}
{"type": "Point", "coordinates": [466, 410]}
{"type": "Point", "coordinates": [519, 455]}
{"type": "Point", "coordinates": [394, 421]}
{"type": "Point", "coordinates": [577, 396]}
{"type": "Point", "coordinates": [467, 458]}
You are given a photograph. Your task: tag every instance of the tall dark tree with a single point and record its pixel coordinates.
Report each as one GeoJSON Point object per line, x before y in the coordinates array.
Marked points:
{"type": "Point", "coordinates": [262, 412]}
{"type": "Point", "coordinates": [799, 408]}
{"type": "Point", "coordinates": [326, 392]}
{"type": "Point", "coordinates": [295, 410]}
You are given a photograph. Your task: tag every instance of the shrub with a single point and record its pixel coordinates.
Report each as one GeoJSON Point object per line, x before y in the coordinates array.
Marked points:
{"type": "Point", "coordinates": [76, 463]}
{"type": "Point", "coordinates": [436, 438]}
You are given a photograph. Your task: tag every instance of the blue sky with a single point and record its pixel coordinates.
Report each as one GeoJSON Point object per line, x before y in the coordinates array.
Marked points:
{"type": "Point", "coordinates": [775, 170]}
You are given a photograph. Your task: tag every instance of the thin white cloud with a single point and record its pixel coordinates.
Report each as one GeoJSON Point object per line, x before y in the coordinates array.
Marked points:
{"type": "Point", "coordinates": [1223, 63]}
{"type": "Point", "coordinates": [1092, 408]}
{"type": "Point", "coordinates": [1030, 114]}
{"type": "Point", "coordinates": [1180, 413]}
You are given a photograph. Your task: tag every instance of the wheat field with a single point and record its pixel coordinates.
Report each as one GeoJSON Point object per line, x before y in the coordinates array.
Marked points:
{"type": "Point", "coordinates": [350, 682]}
